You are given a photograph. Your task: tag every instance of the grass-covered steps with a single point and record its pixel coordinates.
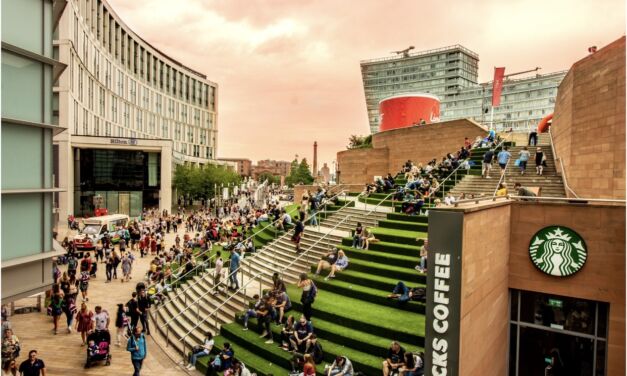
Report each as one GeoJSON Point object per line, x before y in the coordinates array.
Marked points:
{"type": "Point", "coordinates": [402, 325]}
{"type": "Point", "coordinates": [398, 236]}
{"type": "Point", "coordinates": [403, 225]}
{"type": "Point", "coordinates": [390, 247]}
{"type": "Point", "coordinates": [388, 258]}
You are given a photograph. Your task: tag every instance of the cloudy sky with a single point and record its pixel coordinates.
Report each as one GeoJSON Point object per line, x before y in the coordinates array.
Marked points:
{"type": "Point", "coordinates": [288, 70]}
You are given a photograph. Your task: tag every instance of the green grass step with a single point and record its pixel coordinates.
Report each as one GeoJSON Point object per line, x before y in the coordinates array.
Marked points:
{"type": "Point", "coordinates": [403, 225]}
{"type": "Point", "coordinates": [388, 258]}
{"type": "Point", "coordinates": [349, 337]}
{"type": "Point", "coordinates": [377, 269]}
{"type": "Point", "coordinates": [251, 360]}
{"type": "Point", "coordinates": [364, 362]}
{"type": "Point", "coordinates": [366, 294]}
{"type": "Point", "coordinates": [398, 236]}
{"type": "Point", "coordinates": [350, 312]}
{"type": "Point", "coordinates": [391, 247]}
{"type": "Point", "coordinates": [407, 218]}
{"type": "Point", "coordinates": [378, 282]}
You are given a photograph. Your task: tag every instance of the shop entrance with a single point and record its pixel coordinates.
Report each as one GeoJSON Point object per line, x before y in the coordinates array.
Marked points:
{"type": "Point", "coordinates": [556, 336]}
{"type": "Point", "coordinates": [124, 203]}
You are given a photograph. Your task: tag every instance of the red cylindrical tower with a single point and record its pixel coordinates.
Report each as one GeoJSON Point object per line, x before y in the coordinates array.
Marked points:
{"type": "Point", "coordinates": [405, 110]}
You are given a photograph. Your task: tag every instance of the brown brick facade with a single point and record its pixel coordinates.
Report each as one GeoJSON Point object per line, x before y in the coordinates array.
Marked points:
{"type": "Point", "coordinates": [392, 148]}
{"type": "Point", "coordinates": [589, 124]}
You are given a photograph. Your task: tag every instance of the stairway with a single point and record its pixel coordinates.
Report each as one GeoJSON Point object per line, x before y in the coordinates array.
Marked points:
{"type": "Point", "coordinates": [550, 182]}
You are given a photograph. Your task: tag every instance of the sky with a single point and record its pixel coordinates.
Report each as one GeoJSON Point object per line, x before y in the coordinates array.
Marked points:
{"type": "Point", "coordinates": [288, 70]}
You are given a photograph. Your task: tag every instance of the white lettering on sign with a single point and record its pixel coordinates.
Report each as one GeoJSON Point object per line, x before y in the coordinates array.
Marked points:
{"type": "Point", "coordinates": [442, 272]}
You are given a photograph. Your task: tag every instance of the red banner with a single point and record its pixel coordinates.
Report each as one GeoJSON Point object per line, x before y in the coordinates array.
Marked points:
{"type": "Point", "coordinates": [497, 86]}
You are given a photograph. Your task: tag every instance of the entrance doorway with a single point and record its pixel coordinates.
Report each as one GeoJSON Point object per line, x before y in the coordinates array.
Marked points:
{"type": "Point", "coordinates": [124, 203]}
{"type": "Point", "coordinates": [554, 335]}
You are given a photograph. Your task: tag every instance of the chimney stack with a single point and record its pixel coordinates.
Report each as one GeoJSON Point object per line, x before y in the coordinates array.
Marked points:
{"type": "Point", "coordinates": [315, 160]}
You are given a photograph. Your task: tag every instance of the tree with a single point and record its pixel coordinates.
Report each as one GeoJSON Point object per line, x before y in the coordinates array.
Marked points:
{"type": "Point", "coordinates": [359, 142]}
{"type": "Point", "coordinates": [299, 173]}
{"type": "Point", "coordinates": [272, 179]}
{"type": "Point", "coordinates": [202, 182]}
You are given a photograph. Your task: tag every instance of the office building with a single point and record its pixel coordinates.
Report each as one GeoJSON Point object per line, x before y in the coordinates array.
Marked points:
{"type": "Point", "coordinates": [243, 166]}
{"type": "Point", "coordinates": [276, 168]}
{"type": "Point", "coordinates": [129, 113]}
{"type": "Point", "coordinates": [29, 69]}
{"type": "Point", "coordinates": [451, 74]}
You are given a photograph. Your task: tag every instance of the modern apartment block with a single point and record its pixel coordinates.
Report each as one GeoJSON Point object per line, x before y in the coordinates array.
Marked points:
{"type": "Point", "coordinates": [450, 73]}
{"type": "Point", "coordinates": [130, 112]}
{"type": "Point", "coordinates": [29, 68]}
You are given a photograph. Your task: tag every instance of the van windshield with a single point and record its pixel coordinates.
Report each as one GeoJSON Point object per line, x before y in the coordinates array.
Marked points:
{"type": "Point", "coordinates": [91, 229]}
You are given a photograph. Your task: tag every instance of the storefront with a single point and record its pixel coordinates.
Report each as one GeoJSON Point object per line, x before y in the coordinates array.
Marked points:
{"type": "Point", "coordinates": [122, 181]}
{"type": "Point", "coordinates": [123, 175]}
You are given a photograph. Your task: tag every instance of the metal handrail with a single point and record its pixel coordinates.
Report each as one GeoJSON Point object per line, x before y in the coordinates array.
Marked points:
{"type": "Point", "coordinates": [243, 287]}
{"type": "Point", "coordinates": [555, 159]}
{"type": "Point", "coordinates": [212, 290]}
{"type": "Point", "coordinates": [198, 282]}
{"type": "Point", "coordinates": [540, 198]}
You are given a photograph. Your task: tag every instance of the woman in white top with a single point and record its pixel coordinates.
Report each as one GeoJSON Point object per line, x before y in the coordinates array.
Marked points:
{"type": "Point", "coordinates": [200, 351]}
{"type": "Point", "coordinates": [340, 264]}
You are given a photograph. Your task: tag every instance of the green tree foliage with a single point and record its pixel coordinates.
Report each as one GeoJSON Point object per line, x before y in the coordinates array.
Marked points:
{"type": "Point", "coordinates": [359, 142]}
{"type": "Point", "coordinates": [270, 178]}
{"type": "Point", "coordinates": [200, 182]}
{"type": "Point", "coordinates": [299, 173]}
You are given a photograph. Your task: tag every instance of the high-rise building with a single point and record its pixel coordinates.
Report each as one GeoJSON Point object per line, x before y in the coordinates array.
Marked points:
{"type": "Point", "coordinates": [29, 68]}
{"type": "Point", "coordinates": [450, 73]}
{"type": "Point", "coordinates": [129, 113]}
{"type": "Point", "coordinates": [443, 71]}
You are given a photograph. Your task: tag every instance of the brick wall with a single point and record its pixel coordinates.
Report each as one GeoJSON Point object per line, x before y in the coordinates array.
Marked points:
{"type": "Point", "coordinates": [485, 296]}
{"type": "Point", "coordinates": [589, 124]}
{"type": "Point", "coordinates": [392, 148]}
{"type": "Point", "coordinates": [601, 279]}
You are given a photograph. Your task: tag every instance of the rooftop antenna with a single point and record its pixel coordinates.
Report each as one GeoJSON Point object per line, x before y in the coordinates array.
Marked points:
{"type": "Point", "coordinates": [404, 52]}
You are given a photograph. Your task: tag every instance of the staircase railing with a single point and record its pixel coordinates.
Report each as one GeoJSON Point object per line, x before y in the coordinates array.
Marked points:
{"type": "Point", "coordinates": [556, 158]}
{"type": "Point", "coordinates": [504, 172]}
{"type": "Point", "coordinates": [254, 278]}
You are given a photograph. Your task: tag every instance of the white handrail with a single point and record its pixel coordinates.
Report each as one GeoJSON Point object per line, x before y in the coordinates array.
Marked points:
{"type": "Point", "coordinates": [555, 159]}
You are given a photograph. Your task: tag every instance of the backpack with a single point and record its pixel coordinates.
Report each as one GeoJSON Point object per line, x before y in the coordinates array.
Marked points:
{"type": "Point", "coordinates": [313, 292]}
{"type": "Point", "coordinates": [84, 277]}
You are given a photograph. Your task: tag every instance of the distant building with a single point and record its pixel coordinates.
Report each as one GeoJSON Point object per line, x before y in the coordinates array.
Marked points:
{"type": "Point", "coordinates": [450, 73]}
{"type": "Point", "coordinates": [325, 174]}
{"type": "Point", "coordinates": [244, 166]}
{"type": "Point", "coordinates": [276, 168]}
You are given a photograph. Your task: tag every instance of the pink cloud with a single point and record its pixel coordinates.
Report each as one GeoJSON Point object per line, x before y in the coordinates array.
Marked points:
{"type": "Point", "coordinates": [289, 70]}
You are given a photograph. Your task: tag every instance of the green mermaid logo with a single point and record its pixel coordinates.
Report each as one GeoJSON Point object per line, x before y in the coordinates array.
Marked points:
{"type": "Point", "coordinates": [558, 251]}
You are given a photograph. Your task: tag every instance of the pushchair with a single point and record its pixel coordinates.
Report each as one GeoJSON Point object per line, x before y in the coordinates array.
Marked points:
{"type": "Point", "coordinates": [102, 339]}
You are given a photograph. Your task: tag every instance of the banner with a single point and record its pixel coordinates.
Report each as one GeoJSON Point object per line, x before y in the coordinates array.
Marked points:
{"type": "Point", "coordinates": [497, 86]}
{"type": "Point", "coordinates": [444, 277]}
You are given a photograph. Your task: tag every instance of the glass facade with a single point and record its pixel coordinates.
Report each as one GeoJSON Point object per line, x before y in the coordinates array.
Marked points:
{"type": "Point", "coordinates": [557, 335]}
{"type": "Point", "coordinates": [27, 127]}
{"type": "Point", "coordinates": [126, 180]}
{"type": "Point", "coordinates": [450, 73]}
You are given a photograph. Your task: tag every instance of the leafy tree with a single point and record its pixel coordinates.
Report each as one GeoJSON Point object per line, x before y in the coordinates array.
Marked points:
{"type": "Point", "coordinates": [299, 173]}
{"type": "Point", "coordinates": [359, 142]}
{"type": "Point", "coordinates": [201, 182]}
{"type": "Point", "coordinates": [272, 179]}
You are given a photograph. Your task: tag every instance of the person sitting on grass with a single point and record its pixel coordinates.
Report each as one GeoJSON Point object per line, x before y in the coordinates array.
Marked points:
{"type": "Point", "coordinates": [286, 334]}
{"type": "Point", "coordinates": [394, 360]}
{"type": "Point", "coordinates": [237, 369]}
{"type": "Point", "coordinates": [341, 367]}
{"type": "Point", "coordinates": [200, 351]}
{"type": "Point", "coordinates": [302, 332]}
{"type": "Point", "coordinates": [281, 305]}
{"type": "Point", "coordinates": [340, 264]}
{"type": "Point", "coordinates": [367, 238]}
{"type": "Point", "coordinates": [327, 260]}
{"type": "Point", "coordinates": [413, 365]}
{"type": "Point", "coordinates": [264, 317]}
{"type": "Point", "coordinates": [222, 361]}
{"type": "Point", "coordinates": [252, 312]}
{"type": "Point", "coordinates": [277, 283]}
{"type": "Point", "coordinates": [357, 236]}
{"type": "Point", "coordinates": [313, 349]}
{"type": "Point", "coordinates": [405, 294]}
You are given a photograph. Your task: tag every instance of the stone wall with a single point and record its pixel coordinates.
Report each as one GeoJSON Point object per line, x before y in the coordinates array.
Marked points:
{"type": "Point", "coordinates": [392, 148]}
{"type": "Point", "coordinates": [589, 124]}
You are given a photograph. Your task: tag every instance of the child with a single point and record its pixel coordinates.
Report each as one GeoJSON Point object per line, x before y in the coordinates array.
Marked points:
{"type": "Point", "coordinates": [92, 348]}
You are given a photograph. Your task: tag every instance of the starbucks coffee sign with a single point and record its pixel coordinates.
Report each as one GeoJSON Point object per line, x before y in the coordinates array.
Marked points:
{"type": "Point", "coordinates": [558, 251]}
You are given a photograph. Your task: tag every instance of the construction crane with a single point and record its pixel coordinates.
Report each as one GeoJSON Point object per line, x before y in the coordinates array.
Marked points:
{"type": "Point", "coordinates": [404, 52]}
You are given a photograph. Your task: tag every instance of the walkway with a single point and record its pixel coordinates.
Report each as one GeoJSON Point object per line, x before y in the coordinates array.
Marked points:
{"type": "Point", "coordinates": [63, 353]}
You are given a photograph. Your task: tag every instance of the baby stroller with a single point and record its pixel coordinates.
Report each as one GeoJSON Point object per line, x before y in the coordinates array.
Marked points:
{"type": "Point", "coordinates": [102, 339]}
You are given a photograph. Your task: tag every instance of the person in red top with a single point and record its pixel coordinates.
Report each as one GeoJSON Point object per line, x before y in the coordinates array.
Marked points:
{"type": "Point", "coordinates": [467, 143]}
{"type": "Point", "coordinates": [309, 367]}
{"type": "Point", "coordinates": [153, 246]}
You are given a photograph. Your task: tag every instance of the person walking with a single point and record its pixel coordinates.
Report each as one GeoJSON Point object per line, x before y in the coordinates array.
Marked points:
{"type": "Point", "coordinates": [523, 158]}
{"type": "Point", "coordinates": [308, 296]}
{"type": "Point", "coordinates": [84, 322]}
{"type": "Point", "coordinates": [503, 157]}
{"type": "Point", "coordinates": [132, 308]}
{"type": "Point", "coordinates": [116, 261]}
{"type": "Point", "coordinates": [533, 138]}
{"type": "Point", "coordinates": [540, 160]}
{"type": "Point", "coordinates": [32, 366]}
{"type": "Point", "coordinates": [233, 269]}
{"type": "Point", "coordinates": [143, 303]}
{"type": "Point", "coordinates": [136, 345]}
{"type": "Point", "coordinates": [55, 308]}
{"type": "Point", "coordinates": [109, 268]}
{"type": "Point", "coordinates": [126, 266]}
{"type": "Point", "coordinates": [487, 163]}
{"type": "Point", "coordinates": [298, 232]}
{"type": "Point", "coordinates": [121, 322]}
{"type": "Point", "coordinates": [69, 308]}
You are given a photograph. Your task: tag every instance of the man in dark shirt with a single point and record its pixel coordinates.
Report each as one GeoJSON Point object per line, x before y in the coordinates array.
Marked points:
{"type": "Point", "coordinates": [487, 163]}
{"type": "Point", "coordinates": [143, 303]}
{"type": "Point", "coordinates": [395, 358]}
{"type": "Point", "coordinates": [302, 332]}
{"type": "Point", "coordinates": [133, 310]}
{"type": "Point", "coordinates": [32, 366]}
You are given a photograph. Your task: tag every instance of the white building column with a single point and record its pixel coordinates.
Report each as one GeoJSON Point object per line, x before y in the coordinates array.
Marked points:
{"type": "Point", "coordinates": [165, 193]}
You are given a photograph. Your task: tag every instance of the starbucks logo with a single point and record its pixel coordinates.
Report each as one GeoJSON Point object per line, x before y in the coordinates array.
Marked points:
{"type": "Point", "coordinates": [558, 251]}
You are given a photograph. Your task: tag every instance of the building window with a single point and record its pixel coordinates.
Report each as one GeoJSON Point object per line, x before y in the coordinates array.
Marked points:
{"type": "Point", "coordinates": [139, 120]}
{"type": "Point", "coordinates": [114, 109]}
{"type": "Point", "coordinates": [126, 114]}
{"type": "Point", "coordinates": [80, 84]}
{"type": "Point", "coordinates": [76, 117]}
{"type": "Point", "coordinates": [96, 126]}
{"type": "Point", "coordinates": [108, 129]}
{"type": "Point", "coordinates": [102, 101]}
{"type": "Point", "coordinates": [133, 92]}
{"type": "Point", "coordinates": [85, 122]}
{"type": "Point", "coordinates": [90, 93]}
